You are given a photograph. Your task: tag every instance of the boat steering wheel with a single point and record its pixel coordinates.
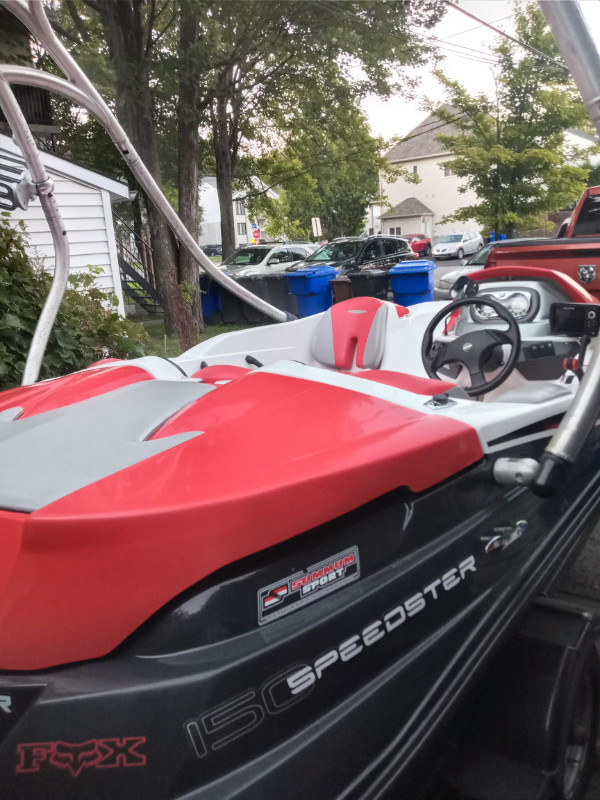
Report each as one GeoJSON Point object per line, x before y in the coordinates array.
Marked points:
{"type": "Point", "coordinates": [471, 350]}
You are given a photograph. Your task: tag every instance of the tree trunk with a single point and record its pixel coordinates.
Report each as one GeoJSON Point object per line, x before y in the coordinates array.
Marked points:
{"type": "Point", "coordinates": [127, 43]}
{"type": "Point", "coordinates": [178, 320]}
{"type": "Point", "coordinates": [224, 171]}
{"type": "Point", "coordinates": [188, 122]}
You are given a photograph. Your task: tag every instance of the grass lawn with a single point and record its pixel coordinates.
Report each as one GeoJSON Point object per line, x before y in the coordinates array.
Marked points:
{"type": "Point", "coordinates": [169, 346]}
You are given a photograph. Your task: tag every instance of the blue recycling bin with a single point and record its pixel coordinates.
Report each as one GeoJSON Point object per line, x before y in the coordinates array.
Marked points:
{"type": "Point", "coordinates": [210, 300]}
{"type": "Point", "coordinates": [311, 287]}
{"type": "Point", "coordinates": [412, 282]}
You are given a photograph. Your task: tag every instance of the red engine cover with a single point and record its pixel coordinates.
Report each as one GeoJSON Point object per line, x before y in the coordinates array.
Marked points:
{"type": "Point", "coordinates": [277, 456]}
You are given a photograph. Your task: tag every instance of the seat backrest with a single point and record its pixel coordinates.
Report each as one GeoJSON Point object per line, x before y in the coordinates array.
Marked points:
{"type": "Point", "coordinates": [352, 331]}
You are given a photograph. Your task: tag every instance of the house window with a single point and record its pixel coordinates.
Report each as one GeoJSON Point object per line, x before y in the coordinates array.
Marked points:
{"type": "Point", "coordinates": [415, 170]}
{"type": "Point", "coordinates": [371, 231]}
{"type": "Point", "coordinates": [448, 171]}
{"type": "Point", "coordinates": [239, 208]}
{"type": "Point", "coordinates": [395, 231]}
{"type": "Point", "coordinates": [241, 228]}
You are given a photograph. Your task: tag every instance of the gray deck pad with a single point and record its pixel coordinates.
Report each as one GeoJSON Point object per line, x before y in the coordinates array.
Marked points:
{"type": "Point", "coordinates": [10, 413]}
{"type": "Point", "coordinates": [51, 455]}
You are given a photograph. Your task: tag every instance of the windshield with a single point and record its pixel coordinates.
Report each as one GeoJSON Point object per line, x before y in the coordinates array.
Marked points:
{"type": "Point", "coordinates": [336, 251]}
{"type": "Point", "coordinates": [455, 237]}
{"type": "Point", "coordinates": [480, 257]}
{"type": "Point", "coordinates": [246, 257]}
{"type": "Point", "coordinates": [588, 221]}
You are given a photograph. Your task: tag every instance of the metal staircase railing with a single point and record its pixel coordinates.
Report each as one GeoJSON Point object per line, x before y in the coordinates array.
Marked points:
{"type": "Point", "coordinates": [137, 288]}
{"type": "Point", "coordinates": [136, 267]}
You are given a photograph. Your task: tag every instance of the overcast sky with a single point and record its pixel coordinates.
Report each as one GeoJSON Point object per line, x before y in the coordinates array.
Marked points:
{"type": "Point", "coordinates": [456, 31]}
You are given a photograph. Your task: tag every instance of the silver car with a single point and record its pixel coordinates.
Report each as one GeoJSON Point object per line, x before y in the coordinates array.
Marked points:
{"type": "Point", "coordinates": [447, 281]}
{"type": "Point", "coordinates": [266, 259]}
{"type": "Point", "coordinates": [473, 264]}
{"type": "Point", "coordinates": [458, 245]}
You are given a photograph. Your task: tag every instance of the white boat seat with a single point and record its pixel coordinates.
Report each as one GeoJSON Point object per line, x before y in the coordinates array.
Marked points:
{"type": "Point", "coordinates": [534, 392]}
{"type": "Point", "coordinates": [352, 332]}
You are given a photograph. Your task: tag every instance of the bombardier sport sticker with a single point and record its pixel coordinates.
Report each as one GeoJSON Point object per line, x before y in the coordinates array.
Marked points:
{"type": "Point", "coordinates": [297, 590]}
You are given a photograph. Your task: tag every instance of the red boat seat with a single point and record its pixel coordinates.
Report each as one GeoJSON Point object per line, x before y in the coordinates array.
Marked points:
{"type": "Point", "coordinates": [351, 332]}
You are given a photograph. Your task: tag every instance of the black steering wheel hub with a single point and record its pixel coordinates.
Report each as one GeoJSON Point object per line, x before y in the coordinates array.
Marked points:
{"type": "Point", "coordinates": [474, 350]}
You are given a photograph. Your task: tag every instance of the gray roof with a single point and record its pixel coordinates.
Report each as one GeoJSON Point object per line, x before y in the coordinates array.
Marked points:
{"type": "Point", "coordinates": [589, 136]}
{"type": "Point", "coordinates": [411, 207]}
{"type": "Point", "coordinates": [421, 142]}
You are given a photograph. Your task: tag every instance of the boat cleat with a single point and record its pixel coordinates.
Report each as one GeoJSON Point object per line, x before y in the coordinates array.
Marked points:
{"type": "Point", "coordinates": [505, 536]}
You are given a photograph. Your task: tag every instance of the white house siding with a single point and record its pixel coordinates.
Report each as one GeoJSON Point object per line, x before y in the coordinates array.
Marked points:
{"type": "Point", "coordinates": [438, 192]}
{"type": "Point", "coordinates": [243, 226]}
{"type": "Point", "coordinates": [210, 225]}
{"type": "Point", "coordinates": [402, 226]}
{"type": "Point", "coordinates": [83, 211]}
{"type": "Point", "coordinates": [86, 212]}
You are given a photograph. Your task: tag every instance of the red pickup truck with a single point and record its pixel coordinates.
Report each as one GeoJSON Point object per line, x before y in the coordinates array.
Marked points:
{"type": "Point", "coordinates": [576, 251]}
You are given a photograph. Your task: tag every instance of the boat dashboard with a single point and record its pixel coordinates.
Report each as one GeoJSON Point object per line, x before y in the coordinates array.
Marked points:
{"type": "Point", "coordinates": [550, 324]}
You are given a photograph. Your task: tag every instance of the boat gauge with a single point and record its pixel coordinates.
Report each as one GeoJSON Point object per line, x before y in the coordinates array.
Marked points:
{"type": "Point", "coordinates": [520, 304]}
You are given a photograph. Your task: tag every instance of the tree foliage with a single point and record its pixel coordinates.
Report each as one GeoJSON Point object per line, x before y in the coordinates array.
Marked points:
{"type": "Point", "coordinates": [239, 71]}
{"type": "Point", "coordinates": [260, 64]}
{"type": "Point", "coordinates": [327, 168]}
{"type": "Point", "coordinates": [257, 66]}
{"type": "Point", "coordinates": [511, 149]}
{"type": "Point", "coordinates": [87, 327]}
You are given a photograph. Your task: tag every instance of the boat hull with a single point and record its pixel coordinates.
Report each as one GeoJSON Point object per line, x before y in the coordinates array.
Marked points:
{"type": "Point", "coordinates": [234, 691]}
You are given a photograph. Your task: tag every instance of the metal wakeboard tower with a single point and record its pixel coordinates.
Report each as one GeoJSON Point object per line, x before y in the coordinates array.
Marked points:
{"type": "Point", "coordinates": [78, 88]}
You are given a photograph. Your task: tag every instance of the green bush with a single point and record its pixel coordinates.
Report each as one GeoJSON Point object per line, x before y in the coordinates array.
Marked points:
{"type": "Point", "coordinates": [87, 327]}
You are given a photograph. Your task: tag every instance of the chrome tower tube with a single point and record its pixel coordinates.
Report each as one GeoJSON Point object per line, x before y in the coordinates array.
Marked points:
{"type": "Point", "coordinates": [40, 186]}
{"type": "Point", "coordinates": [78, 88]}
{"type": "Point", "coordinates": [579, 51]}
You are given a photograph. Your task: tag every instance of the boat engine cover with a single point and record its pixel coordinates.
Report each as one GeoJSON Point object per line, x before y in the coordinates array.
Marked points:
{"type": "Point", "coordinates": [137, 494]}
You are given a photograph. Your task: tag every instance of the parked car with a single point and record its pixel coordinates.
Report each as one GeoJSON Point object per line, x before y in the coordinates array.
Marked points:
{"type": "Point", "coordinates": [473, 264]}
{"type": "Point", "coordinates": [420, 243]}
{"type": "Point", "coordinates": [266, 259]}
{"type": "Point", "coordinates": [352, 253]}
{"type": "Point", "coordinates": [212, 250]}
{"type": "Point", "coordinates": [312, 246]}
{"type": "Point", "coordinates": [457, 245]}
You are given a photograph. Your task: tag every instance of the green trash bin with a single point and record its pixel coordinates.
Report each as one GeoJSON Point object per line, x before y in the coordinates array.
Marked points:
{"type": "Point", "coordinates": [278, 291]}
{"type": "Point", "coordinates": [258, 285]}
{"type": "Point", "coordinates": [232, 308]}
{"type": "Point", "coordinates": [369, 283]}
{"type": "Point", "coordinates": [273, 289]}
